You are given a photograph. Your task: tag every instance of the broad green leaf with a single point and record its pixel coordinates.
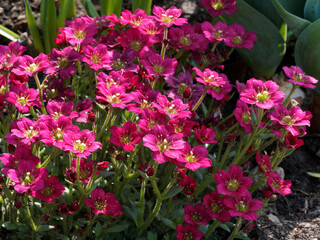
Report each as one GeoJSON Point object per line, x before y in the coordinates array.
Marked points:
{"type": "Point", "coordinates": [224, 227]}
{"type": "Point", "coordinates": [267, 9]}
{"type": "Point", "coordinates": [295, 23]}
{"type": "Point", "coordinates": [118, 228]}
{"type": "Point", "coordinates": [8, 33]}
{"type": "Point", "coordinates": [312, 174]}
{"type": "Point", "coordinates": [44, 228]}
{"type": "Point", "coordinates": [312, 10]}
{"type": "Point", "coordinates": [97, 230]}
{"type": "Point", "coordinates": [33, 27]}
{"type": "Point", "coordinates": [63, 12]}
{"type": "Point", "coordinates": [146, 5]}
{"type": "Point", "coordinates": [294, 6]}
{"type": "Point", "coordinates": [52, 23]}
{"type": "Point", "coordinates": [135, 4]}
{"type": "Point", "coordinates": [307, 50]}
{"type": "Point", "coordinates": [173, 191]}
{"type": "Point", "coordinates": [168, 222]}
{"type": "Point", "coordinates": [9, 226]}
{"type": "Point", "coordinates": [269, 47]}
{"type": "Point", "coordinates": [88, 5]}
{"type": "Point", "coordinates": [110, 7]}
{"type": "Point", "coordinates": [44, 10]}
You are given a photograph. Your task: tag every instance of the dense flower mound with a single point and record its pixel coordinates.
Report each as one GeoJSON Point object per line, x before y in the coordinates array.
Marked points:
{"type": "Point", "coordinates": [127, 130]}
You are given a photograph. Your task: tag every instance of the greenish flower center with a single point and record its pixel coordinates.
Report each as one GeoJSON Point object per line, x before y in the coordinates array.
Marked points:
{"type": "Point", "coordinates": [30, 133]}
{"type": "Point", "coordinates": [185, 40]}
{"type": "Point", "coordinates": [79, 146]}
{"type": "Point", "coordinates": [246, 117]}
{"type": "Point", "coordinates": [215, 208]}
{"type": "Point", "coordinates": [166, 18]}
{"type": "Point", "coordinates": [32, 67]}
{"type": "Point", "coordinates": [118, 64]}
{"type": "Point", "coordinates": [136, 45]}
{"type": "Point", "coordinates": [158, 68]}
{"type": "Point", "coordinates": [241, 206]}
{"type": "Point", "coordinates": [163, 145]}
{"type": "Point", "coordinates": [287, 120]}
{"type": "Point", "coordinates": [263, 96]}
{"type": "Point", "coordinates": [58, 134]}
{"type": "Point", "coordinates": [233, 184]}
{"type": "Point", "coordinates": [22, 101]}
{"type": "Point", "coordinates": [47, 191]}
{"type": "Point", "coordinates": [217, 5]}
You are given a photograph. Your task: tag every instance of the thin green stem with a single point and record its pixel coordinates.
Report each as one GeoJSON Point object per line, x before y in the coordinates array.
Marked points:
{"type": "Point", "coordinates": [164, 44]}
{"type": "Point", "coordinates": [105, 124]}
{"type": "Point", "coordinates": [212, 228]}
{"type": "Point", "coordinates": [200, 100]}
{"type": "Point", "coordinates": [35, 75]}
{"type": "Point", "coordinates": [236, 228]}
{"type": "Point", "coordinates": [142, 195]}
{"type": "Point", "coordinates": [89, 226]}
{"type": "Point", "coordinates": [285, 103]}
{"type": "Point", "coordinates": [45, 163]}
{"type": "Point", "coordinates": [33, 226]}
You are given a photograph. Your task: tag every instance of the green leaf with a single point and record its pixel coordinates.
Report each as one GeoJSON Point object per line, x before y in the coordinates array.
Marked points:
{"type": "Point", "coordinates": [266, 136]}
{"type": "Point", "coordinates": [52, 23]}
{"type": "Point", "coordinates": [44, 228]}
{"type": "Point", "coordinates": [9, 226]}
{"type": "Point", "coordinates": [312, 10]}
{"type": "Point", "coordinates": [295, 23]}
{"type": "Point", "coordinates": [253, 118]}
{"type": "Point", "coordinates": [7, 33]}
{"type": "Point", "coordinates": [312, 174]}
{"type": "Point", "coordinates": [88, 5]}
{"type": "Point", "coordinates": [146, 5]}
{"type": "Point", "coordinates": [173, 191]}
{"type": "Point", "coordinates": [307, 50]}
{"type": "Point", "coordinates": [118, 228]}
{"type": "Point", "coordinates": [267, 9]}
{"type": "Point", "coordinates": [152, 236]}
{"type": "Point", "coordinates": [204, 108]}
{"type": "Point", "coordinates": [63, 12]}
{"type": "Point", "coordinates": [224, 227]}
{"type": "Point", "coordinates": [44, 12]}
{"type": "Point", "coordinates": [169, 223]}
{"type": "Point", "coordinates": [294, 6]}
{"type": "Point", "coordinates": [269, 47]}
{"type": "Point", "coordinates": [97, 230]}
{"type": "Point", "coordinates": [33, 27]}
{"type": "Point", "coordinates": [110, 7]}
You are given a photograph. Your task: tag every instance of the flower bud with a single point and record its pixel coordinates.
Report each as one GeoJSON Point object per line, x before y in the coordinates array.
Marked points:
{"type": "Point", "coordinates": [91, 117]}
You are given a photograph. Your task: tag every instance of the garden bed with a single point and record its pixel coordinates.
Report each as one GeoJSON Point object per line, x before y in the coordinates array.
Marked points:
{"type": "Point", "coordinates": [294, 216]}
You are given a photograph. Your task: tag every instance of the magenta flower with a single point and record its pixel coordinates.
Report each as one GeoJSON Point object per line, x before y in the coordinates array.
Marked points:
{"type": "Point", "coordinates": [196, 215]}
{"type": "Point", "coordinates": [291, 119]}
{"type": "Point", "coordinates": [195, 157]}
{"type": "Point", "coordinates": [105, 203]}
{"type": "Point", "coordinates": [27, 176]}
{"type": "Point", "coordinates": [95, 57]}
{"type": "Point", "coordinates": [264, 163]}
{"type": "Point", "coordinates": [262, 94]}
{"type": "Point", "coordinates": [215, 207]}
{"type": "Point", "coordinates": [62, 61]}
{"type": "Point", "coordinates": [243, 206]}
{"type": "Point", "coordinates": [114, 96]}
{"type": "Point", "coordinates": [164, 145]}
{"type": "Point", "coordinates": [232, 182]}
{"type": "Point", "coordinates": [188, 184]}
{"type": "Point", "coordinates": [175, 108]}
{"type": "Point", "coordinates": [13, 48]}
{"type": "Point", "coordinates": [278, 185]}
{"type": "Point", "coordinates": [205, 135]}
{"type": "Point", "coordinates": [121, 61]}
{"type": "Point", "coordinates": [83, 108]}
{"type": "Point", "coordinates": [168, 17]}
{"type": "Point", "coordinates": [113, 78]}
{"type": "Point", "coordinates": [157, 66]}
{"type": "Point", "coordinates": [57, 109]}
{"type": "Point", "coordinates": [181, 86]}
{"type": "Point", "coordinates": [188, 232]}
{"type": "Point", "coordinates": [136, 19]}
{"type": "Point", "coordinates": [143, 101]}
{"type": "Point", "coordinates": [293, 141]}
{"type": "Point", "coordinates": [297, 76]}
{"type": "Point", "coordinates": [18, 79]}
{"type": "Point", "coordinates": [219, 93]}
{"type": "Point", "coordinates": [185, 37]}
{"type": "Point", "coordinates": [23, 131]}
{"type": "Point", "coordinates": [149, 119]}
{"type": "Point", "coordinates": [218, 7]}
{"type": "Point", "coordinates": [134, 39]}
{"type": "Point", "coordinates": [182, 126]}
{"type": "Point", "coordinates": [28, 65]}
{"type": "Point", "coordinates": [242, 114]}
{"type": "Point", "coordinates": [51, 190]}
{"type": "Point", "coordinates": [210, 78]}
{"type": "Point", "coordinates": [52, 131]}
{"type": "Point", "coordinates": [126, 137]}
{"type": "Point", "coordinates": [10, 161]}
{"type": "Point", "coordinates": [23, 98]}
{"type": "Point", "coordinates": [218, 32]}
{"type": "Point", "coordinates": [80, 32]}
{"type": "Point", "coordinates": [81, 143]}
{"type": "Point", "coordinates": [237, 37]}
{"type": "Point", "coordinates": [85, 169]}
